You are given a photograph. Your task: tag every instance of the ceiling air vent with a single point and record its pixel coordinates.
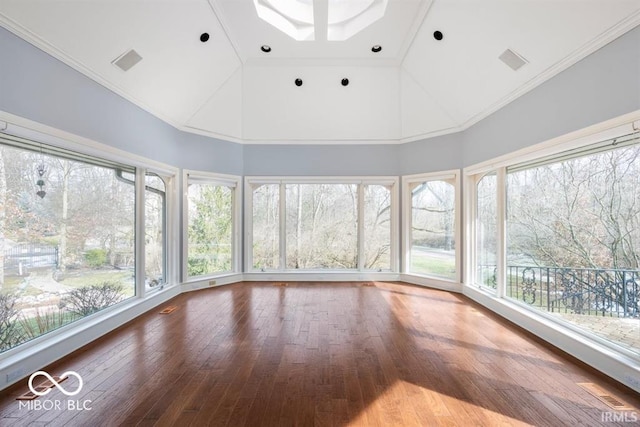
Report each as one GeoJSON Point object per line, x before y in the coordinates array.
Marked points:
{"type": "Point", "coordinates": [512, 59]}
{"type": "Point", "coordinates": [127, 60]}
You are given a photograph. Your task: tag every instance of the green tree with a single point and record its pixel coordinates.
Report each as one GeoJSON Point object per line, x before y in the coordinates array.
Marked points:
{"type": "Point", "coordinates": [210, 229]}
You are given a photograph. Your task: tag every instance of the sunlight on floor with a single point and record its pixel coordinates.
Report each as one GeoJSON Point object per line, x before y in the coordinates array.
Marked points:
{"type": "Point", "coordinates": [430, 408]}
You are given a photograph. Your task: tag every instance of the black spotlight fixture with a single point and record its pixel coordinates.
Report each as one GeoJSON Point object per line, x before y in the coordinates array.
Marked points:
{"type": "Point", "coordinates": [377, 48]}
{"type": "Point", "coordinates": [204, 37]}
{"type": "Point", "coordinates": [265, 48]}
{"type": "Point", "coordinates": [345, 82]}
{"type": "Point", "coordinates": [298, 82]}
{"type": "Point", "coordinates": [438, 35]}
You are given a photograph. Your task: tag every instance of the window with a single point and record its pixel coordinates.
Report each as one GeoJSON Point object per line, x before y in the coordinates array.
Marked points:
{"type": "Point", "coordinates": [486, 232]}
{"type": "Point", "coordinates": [322, 226]}
{"type": "Point", "coordinates": [67, 237]}
{"type": "Point", "coordinates": [573, 223]}
{"type": "Point", "coordinates": [210, 216]}
{"type": "Point", "coordinates": [155, 226]}
{"type": "Point", "coordinates": [432, 225]}
{"type": "Point", "coordinates": [317, 224]}
{"type": "Point", "coordinates": [377, 227]}
{"type": "Point", "coordinates": [266, 223]}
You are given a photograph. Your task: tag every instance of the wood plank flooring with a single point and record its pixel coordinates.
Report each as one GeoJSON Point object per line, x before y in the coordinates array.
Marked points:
{"type": "Point", "coordinates": [306, 354]}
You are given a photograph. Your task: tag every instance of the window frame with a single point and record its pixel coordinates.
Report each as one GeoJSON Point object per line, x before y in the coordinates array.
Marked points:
{"type": "Point", "coordinates": [615, 128]}
{"type": "Point", "coordinates": [611, 129]}
{"type": "Point", "coordinates": [407, 215]}
{"type": "Point", "coordinates": [166, 226]}
{"type": "Point", "coordinates": [235, 183]}
{"type": "Point", "coordinates": [57, 139]}
{"type": "Point", "coordinates": [282, 181]}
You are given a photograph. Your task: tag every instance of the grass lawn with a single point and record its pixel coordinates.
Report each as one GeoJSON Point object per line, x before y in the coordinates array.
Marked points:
{"type": "Point", "coordinates": [440, 267]}
{"type": "Point", "coordinates": [95, 277]}
{"type": "Point", "coordinates": [15, 285]}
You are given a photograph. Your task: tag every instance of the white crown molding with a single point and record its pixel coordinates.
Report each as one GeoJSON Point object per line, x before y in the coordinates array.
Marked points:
{"type": "Point", "coordinates": [582, 52]}
{"type": "Point", "coordinates": [35, 40]}
{"type": "Point", "coordinates": [210, 134]}
{"type": "Point", "coordinates": [606, 37]}
{"type": "Point", "coordinates": [429, 135]}
{"type": "Point", "coordinates": [321, 141]}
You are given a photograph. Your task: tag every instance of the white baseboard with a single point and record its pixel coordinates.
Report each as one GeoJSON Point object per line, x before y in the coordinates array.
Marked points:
{"type": "Point", "coordinates": [431, 283]}
{"type": "Point", "coordinates": [315, 276]}
{"type": "Point", "coordinates": [42, 351]}
{"type": "Point", "coordinates": [606, 360]}
{"type": "Point", "coordinates": [211, 282]}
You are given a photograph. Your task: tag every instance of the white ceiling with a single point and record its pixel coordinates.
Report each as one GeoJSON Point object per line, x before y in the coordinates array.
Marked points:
{"type": "Point", "coordinates": [228, 88]}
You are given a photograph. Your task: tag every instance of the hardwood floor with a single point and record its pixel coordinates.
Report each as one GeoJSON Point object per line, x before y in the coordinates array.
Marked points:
{"type": "Point", "coordinates": [309, 354]}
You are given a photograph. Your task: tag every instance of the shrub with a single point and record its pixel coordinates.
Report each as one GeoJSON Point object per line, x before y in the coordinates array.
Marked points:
{"type": "Point", "coordinates": [96, 257]}
{"type": "Point", "coordinates": [89, 299]}
{"type": "Point", "coordinates": [10, 334]}
{"type": "Point", "coordinates": [44, 321]}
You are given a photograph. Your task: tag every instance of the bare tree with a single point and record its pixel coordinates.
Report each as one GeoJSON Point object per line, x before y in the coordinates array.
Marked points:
{"type": "Point", "coordinates": [3, 204]}
{"type": "Point", "coordinates": [581, 212]}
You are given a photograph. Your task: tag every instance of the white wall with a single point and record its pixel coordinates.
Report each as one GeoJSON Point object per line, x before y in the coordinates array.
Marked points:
{"type": "Point", "coordinates": [602, 86]}
{"type": "Point", "coordinates": [38, 87]}
{"type": "Point", "coordinates": [277, 110]}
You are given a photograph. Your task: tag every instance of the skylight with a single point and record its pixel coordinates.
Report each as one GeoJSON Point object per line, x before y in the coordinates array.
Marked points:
{"type": "Point", "coordinates": [345, 18]}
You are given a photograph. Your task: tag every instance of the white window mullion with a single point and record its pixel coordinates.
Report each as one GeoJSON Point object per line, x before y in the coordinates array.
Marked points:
{"type": "Point", "coordinates": [248, 226]}
{"type": "Point", "coordinates": [361, 250]}
{"type": "Point", "coordinates": [283, 227]}
{"type": "Point", "coordinates": [469, 227]}
{"type": "Point", "coordinates": [501, 247]}
{"type": "Point", "coordinates": [395, 228]}
{"type": "Point", "coordinates": [140, 232]}
{"type": "Point", "coordinates": [406, 226]}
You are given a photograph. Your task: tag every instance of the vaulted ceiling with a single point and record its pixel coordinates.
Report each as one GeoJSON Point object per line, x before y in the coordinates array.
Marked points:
{"type": "Point", "coordinates": [227, 87]}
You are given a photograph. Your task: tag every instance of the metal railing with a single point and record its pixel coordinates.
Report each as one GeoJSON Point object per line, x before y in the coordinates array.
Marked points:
{"type": "Point", "coordinates": [22, 256]}
{"type": "Point", "coordinates": [590, 291]}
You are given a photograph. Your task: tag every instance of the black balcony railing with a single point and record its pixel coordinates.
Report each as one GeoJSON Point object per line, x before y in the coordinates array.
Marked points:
{"type": "Point", "coordinates": [19, 258]}
{"type": "Point", "coordinates": [600, 292]}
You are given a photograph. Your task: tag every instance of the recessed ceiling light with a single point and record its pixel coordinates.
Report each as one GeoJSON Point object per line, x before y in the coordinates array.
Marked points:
{"type": "Point", "coordinates": [345, 82]}
{"type": "Point", "coordinates": [265, 48]}
{"type": "Point", "coordinates": [298, 82]}
{"type": "Point", "coordinates": [377, 48]}
{"type": "Point", "coordinates": [438, 35]}
{"type": "Point", "coordinates": [204, 37]}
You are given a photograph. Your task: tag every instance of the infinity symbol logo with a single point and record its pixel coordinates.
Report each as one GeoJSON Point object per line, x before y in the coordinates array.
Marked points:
{"type": "Point", "coordinates": [55, 383]}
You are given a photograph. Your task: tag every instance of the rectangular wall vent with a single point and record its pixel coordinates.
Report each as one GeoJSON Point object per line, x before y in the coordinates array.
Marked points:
{"type": "Point", "coordinates": [127, 60]}
{"type": "Point", "coordinates": [512, 59]}
{"type": "Point", "coordinates": [605, 397]}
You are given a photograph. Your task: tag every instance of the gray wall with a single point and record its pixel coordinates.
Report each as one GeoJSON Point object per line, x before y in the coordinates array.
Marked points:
{"type": "Point", "coordinates": [321, 160]}
{"type": "Point", "coordinates": [602, 86]}
{"type": "Point", "coordinates": [432, 155]}
{"type": "Point", "coordinates": [37, 86]}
